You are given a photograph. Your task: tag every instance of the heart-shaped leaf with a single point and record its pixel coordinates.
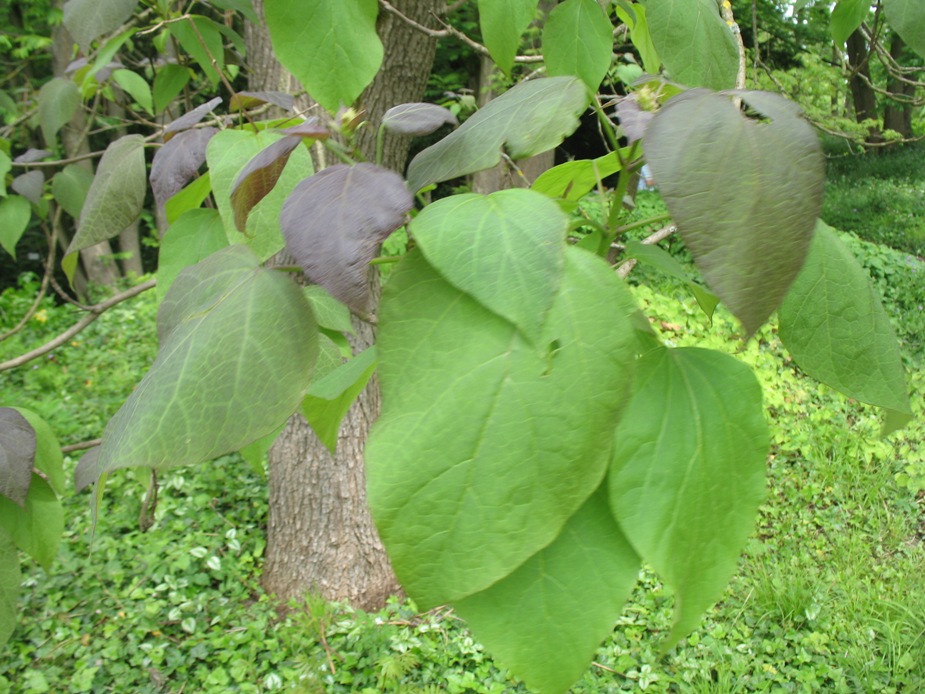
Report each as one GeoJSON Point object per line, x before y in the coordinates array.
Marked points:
{"type": "Point", "coordinates": [192, 238]}
{"type": "Point", "coordinates": [847, 16]}
{"type": "Point", "coordinates": [744, 193]}
{"type": "Point", "coordinates": [48, 458]}
{"type": "Point", "coordinates": [503, 22]}
{"type": "Point", "coordinates": [508, 440]}
{"type": "Point", "coordinates": [335, 220]}
{"type": "Point", "coordinates": [15, 214]}
{"type": "Point", "coordinates": [505, 250]}
{"type": "Point", "coordinates": [530, 118]}
{"type": "Point", "coordinates": [176, 163]}
{"type": "Point", "coordinates": [835, 327]}
{"type": "Point", "coordinates": [58, 100]}
{"type": "Point", "coordinates": [688, 472]}
{"type": "Point", "coordinates": [578, 40]}
{"type": "Point", "coordinates": [218, 382]}
{"type": "Point", "coordinates": [907, 17]}
{"type": "Point", "coordinates": [17, 455]}
{"type": "Point", "coordinates": [36, 528]}
{"type": "Point", "coordinates": [545, 621]}
{"type": "Point", "coordinates": [87, 20]}
{"type": "Point", "coordinates": [417, 119]}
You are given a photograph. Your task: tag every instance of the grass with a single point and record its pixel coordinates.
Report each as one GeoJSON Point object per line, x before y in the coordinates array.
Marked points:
{"type": "Point", "coordinates": [828, 596]}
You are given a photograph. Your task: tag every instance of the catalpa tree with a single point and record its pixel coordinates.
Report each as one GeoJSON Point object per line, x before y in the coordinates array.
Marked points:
{"type": "Point", "coordinates": [538, 441]}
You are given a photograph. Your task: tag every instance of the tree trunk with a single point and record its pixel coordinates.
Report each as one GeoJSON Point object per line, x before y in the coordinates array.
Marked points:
{"type": "Point", "coordinates": [320, 537]}
{"type": "Point", "coordinates": [898, 115]}
{"type": "Point", "coordinates": [862, 93]}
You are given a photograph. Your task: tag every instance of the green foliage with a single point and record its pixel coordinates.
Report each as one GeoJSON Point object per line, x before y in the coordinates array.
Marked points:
{"type": "Point", "coordinates": [847, 16]}
{"type": "Point", "coordinates": [15, 213]}
{"type": "Point", "coordinates": [578, 40]}
{"type": "Point", "coordinates": [503, 22]}
{"type": "Point", "coordinates": [907, 17]}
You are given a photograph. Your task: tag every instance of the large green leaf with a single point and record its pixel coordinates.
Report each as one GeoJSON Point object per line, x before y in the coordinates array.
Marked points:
{"type": "Point", "coordinates": [835, 327]}
{"type": "Point", "coordinates": [10, 579]}
{"type": "Point", "coordinates": [237, 345]}
{"type": "Point", "coordinates": [545, 621]}
{"type": "Point", "coordinates": [17, 455]}
{"type": "Point", "coordinates": [688, 472]}
{"type": "Point", "coordinates": [847, 16]}
{"type": "Point", "coordinates": [503, 22]}
{"type": "Point", "coordinates": [694, 42]}
{"type": "Point", "coordinates": [572, 180]}
{"type": "Point", "coordinates": [504, 249]}
{"type": "Point", "coordinates": [230, 151]}
{"type": "Point", "coordinates": [37, 528]}
{"type": "Point", "coordinates": [745, 193]}
{"type": "Point", "coordinates": [15, 213]}
{"type": "Point", "coordinates": [331, 47]}
{"type": "Point", "coordinates": [115, 199]}
{"type": "Point", "coordinates": [578, 40]}
{"type": "Point", "coordinates": [195, 236]}
{"type": "Point", "coordinates": [907, 17]}
{"type": "Point", "coordinates": [486, 444]}
{"type": "Point", "coordinates": [58, 101]}
{"type": "Point", "coordinates": [87, 20]}
{"type": "Point", "coordinates": [530, 118]}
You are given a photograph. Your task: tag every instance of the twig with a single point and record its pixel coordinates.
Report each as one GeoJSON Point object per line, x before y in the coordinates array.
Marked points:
{"type": "Point", "coordinates": [479, 48]}
{"type": "Point", "coordinates": [433, 33]}
{"type": "Point", "coordinates": [82, 446]}
{"type": "Point", "coordinates": [726, 11]}
{"type": "Point", "coordinates": [94, 312]}
{"type": "Point", "coordinates": [626, 267]}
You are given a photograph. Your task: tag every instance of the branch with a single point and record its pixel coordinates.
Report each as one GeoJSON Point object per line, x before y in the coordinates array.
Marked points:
{"type": "Point", "coordinates": [82, 446]}
{"type": "Point", "coordinates": [726, 11]}
{"type": "Point", "coordinates": [94, 312]}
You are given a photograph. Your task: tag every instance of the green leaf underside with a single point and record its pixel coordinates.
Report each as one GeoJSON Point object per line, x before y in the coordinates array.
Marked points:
{"type": "Point", "coordinates": [503, 22]}
{"type": "Point", "coordinates": [195, 236]}
{"type": "Point", "coordinates": [531, 428]}
{"type": "Point", "coordinates": [87, 20]}
{"type": "Point", "coordinates": [578, 40]}
{"type": "Point", "coordinates": [218, 383]}
{"type": "Point", "coordinates": [116, 196]}
{"type": "Point", "coordinates": [10, 579]}
{"type": "Point", "coordinates": [545, 621]}
{"type": "Point", "coordinates": [768, 179]}
{"type": "Point", "coordinates": [330, 397]}
{"type": "Point", "coordinates": [331, 47]}
{"type": "Point", "coordinates": [847, 16]}
{"type": "Point", "coordinates": [15, 213]}
{"type": "Point", "coordinates": [573, 180]}
{"type": "Point", "coordinates": [17, 455]}
{"type": "Point", "coordinates": [834, 325]}
{"type": "Point", "coordinates": [48, 457]}
{"type": "Point", "coordinates": [417, 119]}
{"type": "Point", "coordinates": [688, 472]}
{"type": "Point", "coordinates": [907, 17]}
{"type": "Point", "coordinates": [229, 152]}
{"type": "Point", "coordinates": [37, 528]}
{"type": "Point", "coordinates": [58, 101]}
{"type": "Point", "coordinates": [504, 249]}
{"type": "Point", "coordinates": [530, 118]}
{"type": "Point", "coordinates": [694, 42]}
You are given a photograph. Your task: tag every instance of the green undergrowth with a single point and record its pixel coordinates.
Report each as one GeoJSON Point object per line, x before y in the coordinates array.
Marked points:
{"type": "Point", "coordinates": [828, 596]}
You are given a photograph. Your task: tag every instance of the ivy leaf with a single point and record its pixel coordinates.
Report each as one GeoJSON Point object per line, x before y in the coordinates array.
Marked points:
{"type": "Point", "coordinates": [694, 42]}
{"type": "Point", "coordinates": [417, 119]}
{"type": "Point", "coordinates": [907, 17]}
{"type": "Point", "coordinates": [767, 178]}
{"type": "Point", "coordinates": [330, 397]}
{"type": "Point", "coordinates": [503, 22]}
{"type": "Point", "coordinates": [506, 250]}
{"type": "Point", "coordinates": [115, 199]}
{"type": "Point", "coordinates": [15, 214]}
{"type": "Point", "coordinates": [688, 472]}
{"type": "Point", "coordinates": [847, 15]}
{"type": "Point", "coordinates": [69, 188]}
{"type": "Point", "coordinates": [531, 429]}
{"type": "Point", "coordinates": [834, 325]}
{"type": "Point", "coordinates": [335, 220]}
{"type": "Point", "coordinates": [58, 101]}
{"type": "Point", "coordinates": [242, 101]}
{"type": "Point", "coordinates": [17, 455]}
{"type": "Point", "coordinates": [530, 118]}
{"type": "Point", "coordinates": [228, 154]}
{"type": "Point", "coordinates": [87, 20]}
{"type": "Point", "coordinates": [177, 162]}
{"type": "Point", "coordinates": [10, 579]}
{"type": "Point", "coordinates": [36, 529]}
{"type": "Point", "coordinates": [578, 40]}
{"type": "Point", "coordinates": [192, 238]}
{"type": "Point", "coordinates": [331, 47]}
{"type": "Point", "coordinates": [30, 185]}
{"type": "Point", "coordinates": [545, 621]}
{"type": "Point", "coordinates": [218, 383]}
{"type": "Point", "coordinates": [191, 118]}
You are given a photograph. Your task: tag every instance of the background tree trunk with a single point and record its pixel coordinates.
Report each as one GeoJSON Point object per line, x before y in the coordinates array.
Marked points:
{"type": "Point", "coordinates": [320, 537]}
{"type": "Point", "coordinates": [862, 91]}
{"type": "Point", "coordinates": [898, 115]}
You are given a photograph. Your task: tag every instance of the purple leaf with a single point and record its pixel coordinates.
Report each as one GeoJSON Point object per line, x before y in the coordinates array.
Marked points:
{"type": "Point", "coordinates": [31, 155]}
{"type": "Point", "coordinates": [245, 100]}
{"type": "Point", "coordinates": [309, 128]}
{"type": "Point", "coordinates": [633, 118]}
{"type": "Point", "coordinates": [417, 119]}
{"type": "Point", "coordinates": [188, 120]}
{"type": "Point", "coordinates": [30, 185]}
{"type": "Point", "coordinates": [176, 163]}
{"type": "Point", "coordinates": [258, 177]}
{"type": "Point", "coordinates": [334, 221]}
{"type": "Point", "coordinates": [17, 455]}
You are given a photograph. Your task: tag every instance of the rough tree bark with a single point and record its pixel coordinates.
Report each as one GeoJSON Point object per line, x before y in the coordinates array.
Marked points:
{"type": "Point", "coordinates": [862, 91]}
{"type": "Point", "coordinates": [898, 115]}
{"type": "Point", "coordinates": [320, 537]}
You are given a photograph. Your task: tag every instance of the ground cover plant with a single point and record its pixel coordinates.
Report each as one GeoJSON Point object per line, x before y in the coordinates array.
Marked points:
{"type": "Point", "coordinates": [535, 432]}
